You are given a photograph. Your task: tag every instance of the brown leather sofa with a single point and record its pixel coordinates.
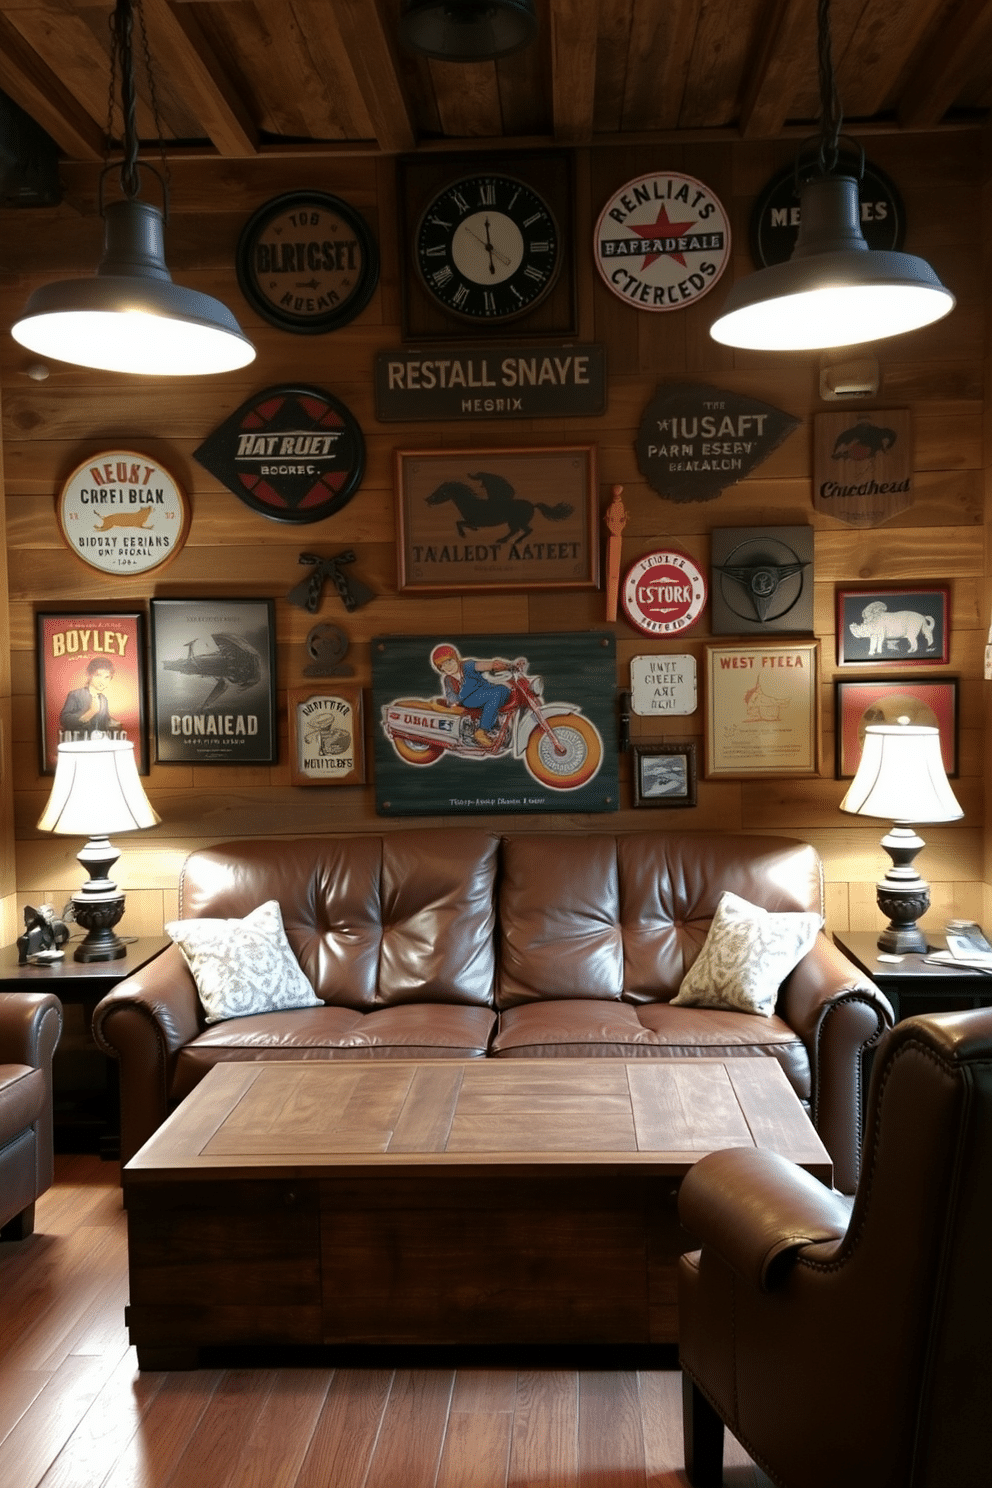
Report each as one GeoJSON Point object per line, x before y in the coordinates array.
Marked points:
{"type": "Point", "coordinates": [30, 1027]}
{"type": "Point", "coordinates": [850, 1346]}
{"type": "Point", "coordinates": [461, 944]}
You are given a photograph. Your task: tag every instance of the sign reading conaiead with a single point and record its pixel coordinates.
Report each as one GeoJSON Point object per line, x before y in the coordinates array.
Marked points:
{"type": "Point", "coordinates": [510, 380]}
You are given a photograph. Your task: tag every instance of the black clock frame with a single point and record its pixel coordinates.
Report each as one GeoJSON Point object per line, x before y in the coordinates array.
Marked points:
{"type": "Point", "coordinates": [315, 324]}
{"type": "Point", "coordinates": [421, 179]}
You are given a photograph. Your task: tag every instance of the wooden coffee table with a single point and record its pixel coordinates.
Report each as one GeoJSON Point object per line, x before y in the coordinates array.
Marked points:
{"type": "Point", "coordinates": [384, 1202]}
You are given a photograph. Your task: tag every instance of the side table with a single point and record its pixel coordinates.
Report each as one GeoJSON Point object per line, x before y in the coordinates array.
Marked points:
{"type": "Point", "coordinates": [912, 984]}
{"type": "Point", "coordinates": [87, 1101]}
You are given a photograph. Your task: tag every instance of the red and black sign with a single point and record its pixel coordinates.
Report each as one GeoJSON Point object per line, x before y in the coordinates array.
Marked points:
{"type": "Point", "coordinates": [295, 454]}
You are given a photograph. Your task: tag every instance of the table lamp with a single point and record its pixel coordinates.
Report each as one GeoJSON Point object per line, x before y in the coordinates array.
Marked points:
{"type": "Point", "coordinates": [901, 779]}
{"type": "Point", "coordinates": [97, 791]}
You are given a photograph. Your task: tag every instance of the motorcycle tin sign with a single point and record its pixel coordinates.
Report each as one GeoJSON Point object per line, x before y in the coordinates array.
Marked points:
{"type": "Point", "coordinates": [489, 724]}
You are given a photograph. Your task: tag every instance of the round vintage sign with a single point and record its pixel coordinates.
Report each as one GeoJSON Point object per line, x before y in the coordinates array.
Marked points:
{"type": "Point", "coordinates": [307, 262]}
{"type": "Point", "coordinates": [662, 241]}
{"type": "Point", "coordinates": [121, 513]}
{"type": "Point", "coordinates": [664, 593]}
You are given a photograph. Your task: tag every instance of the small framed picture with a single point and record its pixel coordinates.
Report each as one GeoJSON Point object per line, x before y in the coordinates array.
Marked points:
{"type": "Point", "coordinates": [665, 774]}
{"type": "Point", "coordinates": [858, 704]}
{"type": "Point", "coordinates": [893, 627]}
{"type": "Point", "coordinates": [214, 681]}
{"type": "Point", "coordinates": [91, 681]}
{"type": "Point", "coordinates": [326, 735]}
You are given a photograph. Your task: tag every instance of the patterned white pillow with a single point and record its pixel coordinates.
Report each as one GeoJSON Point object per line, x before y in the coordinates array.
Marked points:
{"type": "Point", "coordinates": [244, 966]}
{"type": "Point", "coordinates": [747, 954]}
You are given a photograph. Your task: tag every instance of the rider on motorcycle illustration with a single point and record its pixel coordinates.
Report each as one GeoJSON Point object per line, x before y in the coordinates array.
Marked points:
{"type": "Point", "coordinates": [463, 682]}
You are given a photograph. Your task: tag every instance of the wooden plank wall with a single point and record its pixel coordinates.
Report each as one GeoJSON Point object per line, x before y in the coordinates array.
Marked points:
{"type": "Point", "coordinates": [50, 426]}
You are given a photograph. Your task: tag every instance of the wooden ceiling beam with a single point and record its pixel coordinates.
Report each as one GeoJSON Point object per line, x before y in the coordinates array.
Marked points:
{"type": "Point", "coordinates": [180, 49]}
{"type": "Point", "coordinates": [949, 62]}
{"type": "Point", "coordinates": [39, 92]}
{"type": "Point", "coordinates": [769, 87]}
{"type": "Point", "coordinates": [573, 68]}
{"type": "Point", "coordinates": [367, 34]}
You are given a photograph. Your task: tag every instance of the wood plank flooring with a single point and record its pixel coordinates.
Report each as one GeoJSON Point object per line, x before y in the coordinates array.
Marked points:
{"type": "Point", "coordinates": [76, 1413]}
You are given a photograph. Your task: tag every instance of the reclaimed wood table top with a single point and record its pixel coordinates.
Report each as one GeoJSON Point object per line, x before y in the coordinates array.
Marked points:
{"type": "Point", "coordinates": [310, 1118]}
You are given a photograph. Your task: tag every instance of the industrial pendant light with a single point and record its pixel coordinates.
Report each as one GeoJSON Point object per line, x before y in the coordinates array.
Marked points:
{"type": "Point", "coordinates": [131, 317]}
{"type": "Point", "coordinates": [468, 30]}
{"type": "Point", "coordinates": [834, 290]}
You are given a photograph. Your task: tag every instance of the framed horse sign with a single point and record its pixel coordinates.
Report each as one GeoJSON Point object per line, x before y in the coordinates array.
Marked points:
{"type": "Point", "coordinates": [477, 519]}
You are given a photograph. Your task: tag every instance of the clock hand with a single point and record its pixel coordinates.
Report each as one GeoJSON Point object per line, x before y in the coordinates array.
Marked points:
{"type": "Point", "coordinates": [490, 249]}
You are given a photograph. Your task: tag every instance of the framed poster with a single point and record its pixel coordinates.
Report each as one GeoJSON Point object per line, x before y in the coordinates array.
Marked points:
{"type": "Point", "coordinates": [475, 519]}
{"type": "Point", "coordinates": [762, 710]}
{"type": "Point", "coordinates": [213, 670]}
{"type": "Point", "coordinates": [490, 724]}
{"type": "Point", "coordinates": [934, 704]}
{"type": "Point", "coordinates": [326, 736]}
{"type": "Point", "coordinates": [91, 681]}
{"type": "Point", "coordinates": [893, 627]}
{"type": "Point", "coordinates": [665, 774]}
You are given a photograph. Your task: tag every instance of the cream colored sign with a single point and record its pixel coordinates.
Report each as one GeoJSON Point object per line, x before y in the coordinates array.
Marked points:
{"type": "Point", "coordinates": [762, 710]}
{"type": "Point", "coordinates": [121, 513]}
{"type": "Point", "coordinates": [326, 736]}
{"type": "Point", "coordinates": [663, 684]}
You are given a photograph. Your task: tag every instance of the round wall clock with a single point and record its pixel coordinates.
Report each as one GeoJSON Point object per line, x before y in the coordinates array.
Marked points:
{"type": "Point", "coordinates": [664, 593]}
{"type": "Point", "coordinates": [121, 513]}
{"type": "Point", "coordinates": [307, 262]}
{"type": "Point", "coordinates": [488, 248]}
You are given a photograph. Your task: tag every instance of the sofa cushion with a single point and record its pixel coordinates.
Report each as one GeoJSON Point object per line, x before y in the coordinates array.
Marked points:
{"type": "Point", "coordinates": [747, 954]}
{"type": "Point", "coordinates": [242, 967]}
{"type": "Point", "coordinates": [428, 1031]}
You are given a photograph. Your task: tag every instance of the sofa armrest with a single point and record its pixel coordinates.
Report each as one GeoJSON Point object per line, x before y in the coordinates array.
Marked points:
{"type": "Point", "coordinates": [757, 1211]}
{"type": "Point", "coordinates": [840, 1015]}
{"type": "Point", "coordinates": [30, 1028]}
{"type": "Point", "coordinates": [143, 1023]}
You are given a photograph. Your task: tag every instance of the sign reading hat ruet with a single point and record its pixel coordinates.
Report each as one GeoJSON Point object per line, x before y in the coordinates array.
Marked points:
{"type": "Point", "coordinates": [121, 513]}
{"type": "Point", "coordinates": [695, 440]}
{"type": "Point", "coordinates": [664, 593]}
{"type": "Point", "coordinates": [295, 454]}
{"type": "Point", "coordinates": [662, 241]}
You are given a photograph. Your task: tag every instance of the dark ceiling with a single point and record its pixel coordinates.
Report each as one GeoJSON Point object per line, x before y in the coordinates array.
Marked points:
{"type": "Point", "coordinates": [241, 78]}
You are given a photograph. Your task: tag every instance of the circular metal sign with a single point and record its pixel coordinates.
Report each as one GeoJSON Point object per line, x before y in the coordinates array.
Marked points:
{"type": "Point", "coordinates": [307, 262]}
{"type": "Point", "coordinates": [121, 513]}
{"type": "Point", "coordinates": [775, 216]}
{"type": "Point", "coordinates": [664, 593]}
{"type": "Point", "coordinates": [662, 242]}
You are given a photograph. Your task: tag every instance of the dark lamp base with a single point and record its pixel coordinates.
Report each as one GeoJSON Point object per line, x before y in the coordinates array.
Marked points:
{"type": "Point", "coordinates": [98, 919]}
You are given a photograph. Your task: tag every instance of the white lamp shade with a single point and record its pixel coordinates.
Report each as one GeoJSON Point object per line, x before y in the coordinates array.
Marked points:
{"type": "Point", "coordinates": [96, 791]}
{"type": "Point", "coordinates": [901, 776]}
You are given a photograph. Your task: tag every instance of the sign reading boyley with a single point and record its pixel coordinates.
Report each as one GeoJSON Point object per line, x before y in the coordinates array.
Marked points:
{"type": "Point", "coordinates": [497, 381]}
{"type": "Point", "coordinates": [695, 440]}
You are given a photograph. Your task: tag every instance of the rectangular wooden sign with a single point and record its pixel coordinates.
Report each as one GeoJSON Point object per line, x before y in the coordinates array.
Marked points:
{"type": "Point", "coordinates": [863, 465]}
{"type": "Point", "coordinates": [498, 380]}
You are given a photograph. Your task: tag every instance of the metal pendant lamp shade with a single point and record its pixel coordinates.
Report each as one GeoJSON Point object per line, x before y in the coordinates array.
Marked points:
{"type": "Point", "coordinates": [468, 30]}
{"type": "Point", "coordinates": [130, 317]}
{"type": "Point", "coordinates": [834, 290]}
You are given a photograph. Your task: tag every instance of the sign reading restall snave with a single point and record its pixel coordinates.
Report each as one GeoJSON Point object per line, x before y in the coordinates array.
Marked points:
{"type": "Point", "coordinates": [662, 241]}
{"type": "Point", "coordinates": [695, 440]}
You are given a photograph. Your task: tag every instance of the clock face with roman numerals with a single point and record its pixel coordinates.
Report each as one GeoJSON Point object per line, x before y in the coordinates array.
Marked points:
{"type": "Point", "coordinates": [488, 248]}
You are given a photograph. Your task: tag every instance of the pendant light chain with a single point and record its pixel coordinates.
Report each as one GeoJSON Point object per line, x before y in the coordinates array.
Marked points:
{"type": "Point", "coordinates": [831, 113]}
{"type": "Point", "coordinates": [121, 25]}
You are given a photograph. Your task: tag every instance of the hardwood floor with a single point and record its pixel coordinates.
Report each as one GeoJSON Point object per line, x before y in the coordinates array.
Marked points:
{"type": "Point", "coordinates": [76, 1413]}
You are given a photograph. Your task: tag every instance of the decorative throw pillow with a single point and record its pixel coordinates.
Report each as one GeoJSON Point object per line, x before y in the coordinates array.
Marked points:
{"type": "Point", "coordinates": [244, 966]}
{"type": "Point", "coordinates": [747, 954]}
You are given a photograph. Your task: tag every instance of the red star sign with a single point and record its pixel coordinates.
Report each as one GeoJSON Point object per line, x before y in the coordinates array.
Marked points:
{"type": "Point", "coordinates": [661, 228]}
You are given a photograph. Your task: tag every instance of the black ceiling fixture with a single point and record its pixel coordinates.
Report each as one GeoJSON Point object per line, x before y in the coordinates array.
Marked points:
{"type": "Point", "coordinates": [468, 30]}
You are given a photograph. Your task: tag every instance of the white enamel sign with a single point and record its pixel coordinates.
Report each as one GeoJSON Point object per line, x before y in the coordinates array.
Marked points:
{"type": "Point", "coordinates": [663, 684]}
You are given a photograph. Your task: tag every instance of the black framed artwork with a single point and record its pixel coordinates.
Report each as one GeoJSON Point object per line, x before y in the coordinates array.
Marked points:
{"type": "Point", "coordinates": [213, 670]}
{"type": "Point", "coordinates": [893, 627]}
{"type": "Point", "coordinates": [665, 774]}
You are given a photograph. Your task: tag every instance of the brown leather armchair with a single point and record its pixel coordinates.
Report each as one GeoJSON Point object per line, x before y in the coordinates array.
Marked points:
{"type": "Point", "coordinates": [30, 1026]}
{"type": "Point", "coordinates": [852, 1348]}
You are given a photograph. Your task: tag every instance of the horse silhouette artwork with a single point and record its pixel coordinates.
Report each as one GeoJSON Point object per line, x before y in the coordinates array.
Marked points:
{"type": "Point", "coordinates": [499, 504]}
